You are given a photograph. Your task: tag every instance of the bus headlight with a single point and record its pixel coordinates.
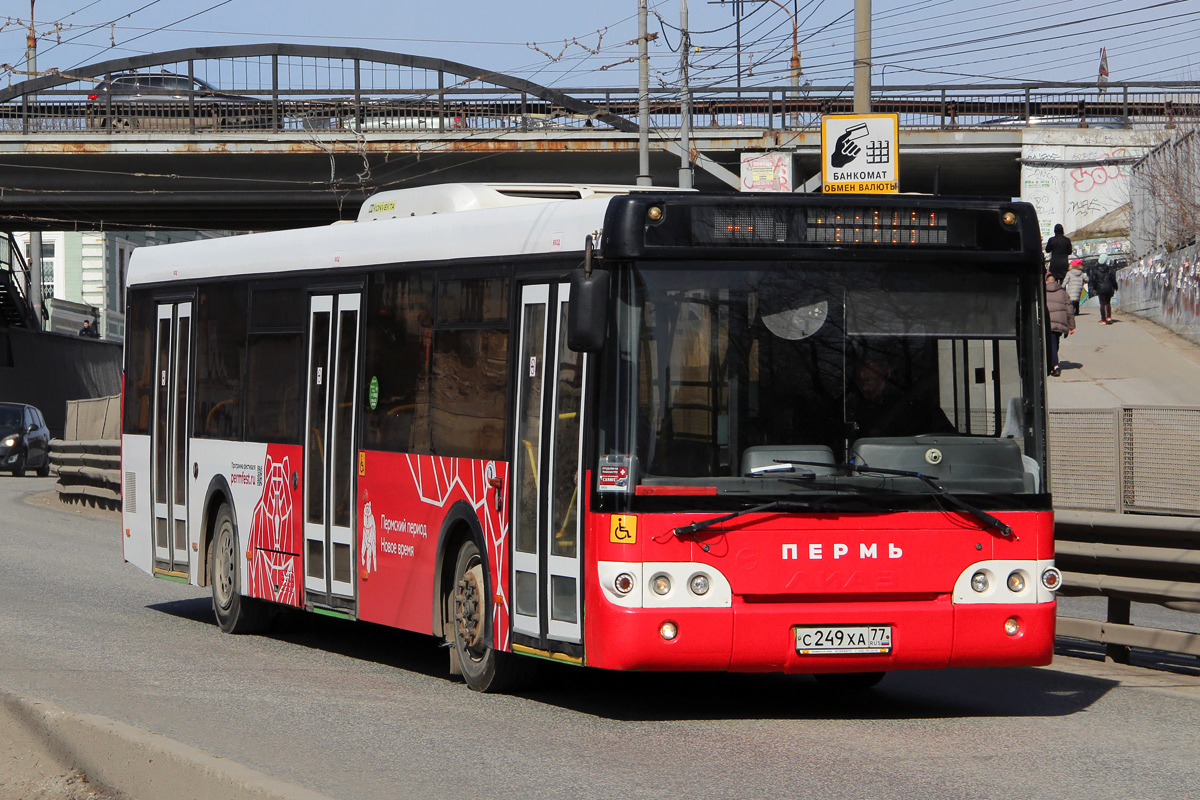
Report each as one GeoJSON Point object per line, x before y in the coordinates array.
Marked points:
{"type": "Point", "coordinates": [699, 584]}
{"type": "Point", "coordinates": [623, 583]}
{"type": "Point", "coordinates": [1016, 582]}
{"type": "Point", "coordinates": [661, 584]}
{"type": "Point", "coordinates": [979, 582]}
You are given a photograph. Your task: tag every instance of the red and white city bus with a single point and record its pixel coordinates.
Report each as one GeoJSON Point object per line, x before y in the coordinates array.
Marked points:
{"type": "Point", "coordinates": [627, 429]}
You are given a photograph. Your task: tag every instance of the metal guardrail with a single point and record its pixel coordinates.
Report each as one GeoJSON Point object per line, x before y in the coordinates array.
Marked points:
{"type": "Point", "coordinates": [1129, 558]}
{"type": "Point", "coordinates": [1127, 519]}
{"type": "Point", "coordinates": [87, 460]}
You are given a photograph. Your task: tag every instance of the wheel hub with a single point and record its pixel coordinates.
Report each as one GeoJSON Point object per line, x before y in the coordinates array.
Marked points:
{"type": "Point", "coordinates": [467, 605]}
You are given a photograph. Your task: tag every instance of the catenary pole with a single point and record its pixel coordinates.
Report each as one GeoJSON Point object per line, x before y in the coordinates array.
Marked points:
{"type": "Point", "coordinates": [34, 293]}
{"type": "Point", "coordinates": [685, 102]}
{"type": "Point", "coordinates": [643, 178]}
{"type": "Point", "coordinates": [862, 56]}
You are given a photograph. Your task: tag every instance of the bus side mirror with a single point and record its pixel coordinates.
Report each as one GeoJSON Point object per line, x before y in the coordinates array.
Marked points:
{"type": "Point", "coordinates": [587, 314]}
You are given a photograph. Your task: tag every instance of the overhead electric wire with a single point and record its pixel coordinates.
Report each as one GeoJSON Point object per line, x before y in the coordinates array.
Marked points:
{"type": "Point", "coordinates": [1127, 45]}
{"type": "Point", "coordinates": [164, 27]}
{"type": "Point", "coordinates": [101, 25]}
{"type": "Point", "coordinates": [838, 66]}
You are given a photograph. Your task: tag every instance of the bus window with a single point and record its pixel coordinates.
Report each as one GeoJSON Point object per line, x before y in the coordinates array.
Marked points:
{"type": "Point", "coordinates": [275, 374]}
{"type": "Point", "coordinates": [220, 359]}
{"type": "Point", "coordinates": [399, 336]}
{"type": "Point", "coordinates": [139, 364]}
{"type": "Point", "coordinates": [813, 355]}
{"type": "Point", "coordinates": [473, 300]}
{"type": "Point", "coordinates": [274, 387]}
{"type": "Point", "coordinates": [470, 377]}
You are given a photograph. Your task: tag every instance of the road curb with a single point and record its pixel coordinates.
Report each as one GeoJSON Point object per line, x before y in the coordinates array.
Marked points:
{"type": "Point", "coordinates": [142, 765]}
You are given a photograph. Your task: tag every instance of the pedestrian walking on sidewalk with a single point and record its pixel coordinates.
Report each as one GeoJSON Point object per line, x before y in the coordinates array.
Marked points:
{"type": "Point", "coordinates": [1062, 321]}
{"type": "Point", "coordinates": [1102, 282]}
{"type": "Point", "coordinates": [1073, 283]}
{"type": "Point", "coordinates": [1059, 248]}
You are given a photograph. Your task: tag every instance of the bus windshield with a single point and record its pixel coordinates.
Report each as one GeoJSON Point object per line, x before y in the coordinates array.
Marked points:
{"type": "Point", "coordinates": [764, 376]}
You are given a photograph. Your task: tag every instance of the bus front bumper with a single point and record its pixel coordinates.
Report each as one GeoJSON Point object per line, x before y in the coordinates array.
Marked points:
{"type": "Point", "coordinates": [762, 636]}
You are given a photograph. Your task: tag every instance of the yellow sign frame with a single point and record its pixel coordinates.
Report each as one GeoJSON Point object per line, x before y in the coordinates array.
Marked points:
{"type": "Point", "coordinates": [838, 139]}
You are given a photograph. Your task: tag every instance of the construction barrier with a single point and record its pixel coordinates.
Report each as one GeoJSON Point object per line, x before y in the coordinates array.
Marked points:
{"type": "Point", "coordinates": [87, 460]}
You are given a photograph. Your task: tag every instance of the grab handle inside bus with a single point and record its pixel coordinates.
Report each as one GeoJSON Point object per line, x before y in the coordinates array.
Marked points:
{"type": "Point", "coordinates": [587, 316]}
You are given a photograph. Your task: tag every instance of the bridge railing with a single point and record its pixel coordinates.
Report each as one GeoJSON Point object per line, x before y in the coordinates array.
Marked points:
{"type": "Point", "coordinates": [475, 107]}
{"type": "Point", "coordinates": [1127, 519]}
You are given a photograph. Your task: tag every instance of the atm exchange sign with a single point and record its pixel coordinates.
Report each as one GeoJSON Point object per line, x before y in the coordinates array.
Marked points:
{"type": "Point", "coordinates": [858, 153]}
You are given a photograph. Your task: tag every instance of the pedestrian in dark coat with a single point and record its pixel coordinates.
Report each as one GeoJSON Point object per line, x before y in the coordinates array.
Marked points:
{"type": "Point", "coordinates": [1059, 248]}
{"type": "Point", "coordinates": [1061, 318]}
{"type": "Point", "coordinates": [1102, 282]}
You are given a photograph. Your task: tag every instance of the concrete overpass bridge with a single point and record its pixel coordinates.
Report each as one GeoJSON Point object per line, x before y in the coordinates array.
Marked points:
{"type": "Point", "coordinates": [274, 135]}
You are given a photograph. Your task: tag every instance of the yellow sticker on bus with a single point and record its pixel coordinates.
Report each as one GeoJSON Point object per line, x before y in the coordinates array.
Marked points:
{"type": "Point", "coordinates": [623, 529]}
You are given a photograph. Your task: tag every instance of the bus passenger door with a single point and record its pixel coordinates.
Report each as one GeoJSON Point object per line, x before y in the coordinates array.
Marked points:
{"type": "Point", "coordinates": [329, 455]}
{"type": "Point", "coordinates": [546, 476]}
{"type": "Point", "coordinates": [171, 423]}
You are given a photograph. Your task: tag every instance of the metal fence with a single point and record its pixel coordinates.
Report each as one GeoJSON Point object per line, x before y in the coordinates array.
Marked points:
{"type": "Point", "coordinates": [87, 459]}
{"type": "Point", "coordinates": [299, 88]}
{"type": "Point", "coordinates": [1126, 484]}
{"type": "Point", "coordinates": [1134, 459]}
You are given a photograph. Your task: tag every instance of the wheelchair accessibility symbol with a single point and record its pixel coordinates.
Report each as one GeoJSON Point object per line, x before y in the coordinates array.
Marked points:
{"type": "Point", "coordinates": [623, 529]}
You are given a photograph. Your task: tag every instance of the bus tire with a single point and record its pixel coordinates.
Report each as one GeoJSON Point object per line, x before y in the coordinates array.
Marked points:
{"type": "Point", "coordinates": [483, 668]}
{"type": "Point", "coordinates": [235, 612]}
{"type": "Point", "coordinates": [849, 681]}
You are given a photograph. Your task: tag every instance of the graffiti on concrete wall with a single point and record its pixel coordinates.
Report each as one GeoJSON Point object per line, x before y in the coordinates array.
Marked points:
{"type": "Point", "coordinates": [1164, 287]}
{"type": "Point", "coordinates": [1063, 176]}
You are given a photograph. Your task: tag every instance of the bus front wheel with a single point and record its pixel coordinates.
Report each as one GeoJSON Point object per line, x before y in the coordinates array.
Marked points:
{"type": "Point", "coordinates": [483, 667]}
{"type": "Point", "coordinates": [235, 612]}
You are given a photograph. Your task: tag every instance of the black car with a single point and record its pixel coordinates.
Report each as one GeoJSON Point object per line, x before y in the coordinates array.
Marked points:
{"type": "Point", "coordinates": [24, 440]}
{"type": "Point", "coordinates": [166, 101]}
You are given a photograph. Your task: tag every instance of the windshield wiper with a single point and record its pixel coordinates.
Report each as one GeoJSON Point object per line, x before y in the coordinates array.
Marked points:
{"type": "Point", "coordinates": [778, 468]}
{"type": "Point", "coordinates": [941, 491]}
{"type": "Point", "coordinates": [692, 528]}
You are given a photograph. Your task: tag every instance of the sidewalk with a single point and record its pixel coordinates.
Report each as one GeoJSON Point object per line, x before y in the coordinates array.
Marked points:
{"type": "Point", "coordinates": [50, 753]}
{"type": "Point", "coordinates": [1131, 362]}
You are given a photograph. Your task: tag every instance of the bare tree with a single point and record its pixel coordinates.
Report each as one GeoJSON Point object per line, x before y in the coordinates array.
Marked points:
{"type": "Point", "coordinates": [1165, 193]}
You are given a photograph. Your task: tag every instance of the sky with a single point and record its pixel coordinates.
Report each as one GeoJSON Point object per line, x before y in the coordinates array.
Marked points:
{"type": "Point", "coordinates": [588, 44]}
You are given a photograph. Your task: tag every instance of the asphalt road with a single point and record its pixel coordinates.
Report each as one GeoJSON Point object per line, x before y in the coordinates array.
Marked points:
{"type": "Point", "coordinates": [358, 711]}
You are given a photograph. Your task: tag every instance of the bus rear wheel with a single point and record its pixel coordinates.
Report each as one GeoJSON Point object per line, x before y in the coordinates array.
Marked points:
{"type": "Point", "coordinates": [483, 667]}
{"type": "Point", "coordinates": [235, 612]}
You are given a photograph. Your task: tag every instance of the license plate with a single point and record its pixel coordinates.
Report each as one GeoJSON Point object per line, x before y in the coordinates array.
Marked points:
{"type": "Point", "coordinates": [846, 639]}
